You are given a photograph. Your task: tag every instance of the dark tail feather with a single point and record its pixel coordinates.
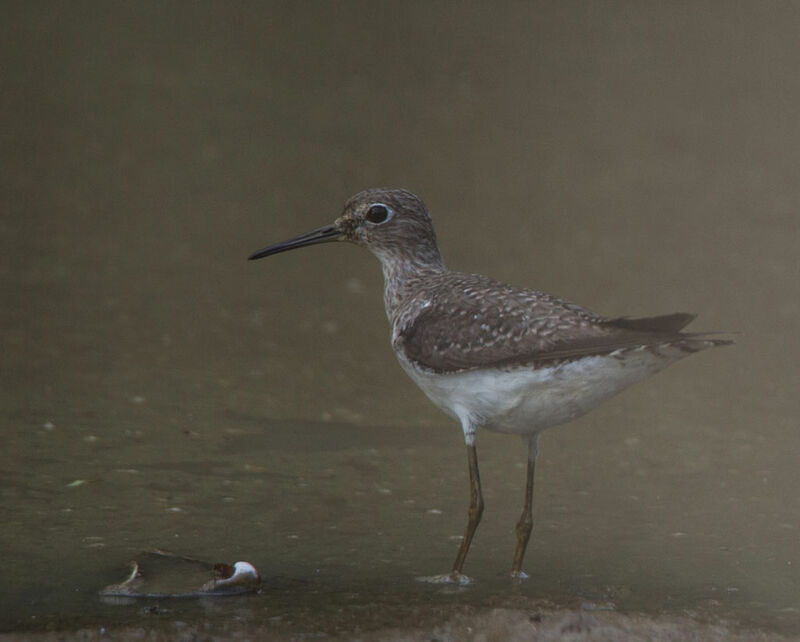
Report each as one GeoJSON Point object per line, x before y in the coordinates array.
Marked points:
{"type": "Point", "coordinates": [665, 323]}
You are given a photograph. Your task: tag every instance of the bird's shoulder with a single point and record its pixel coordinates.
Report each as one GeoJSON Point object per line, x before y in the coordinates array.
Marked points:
{"type": "Point", "coordinates": [458, 321]}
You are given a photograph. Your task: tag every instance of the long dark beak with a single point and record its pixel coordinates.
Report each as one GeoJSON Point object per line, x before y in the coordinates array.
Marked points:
{"type": "Point", "coordinates": [322, 234]}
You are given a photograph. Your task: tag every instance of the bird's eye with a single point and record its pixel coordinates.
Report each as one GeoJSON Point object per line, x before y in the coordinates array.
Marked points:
{"type": "Point", "coordinates": [377, 214]}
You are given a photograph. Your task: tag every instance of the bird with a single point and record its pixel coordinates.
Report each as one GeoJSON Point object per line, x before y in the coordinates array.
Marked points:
{"type": "Point", "coordinates": [494, 356]}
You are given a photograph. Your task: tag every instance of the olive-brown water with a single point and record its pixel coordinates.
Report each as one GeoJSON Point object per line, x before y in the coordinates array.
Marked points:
{"type": "Point", "coordinates": [159, 391]}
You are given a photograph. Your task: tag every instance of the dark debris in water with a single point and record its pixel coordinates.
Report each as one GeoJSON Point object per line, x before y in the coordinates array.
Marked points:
{"type": "Point", "coordinates": [162, 575]}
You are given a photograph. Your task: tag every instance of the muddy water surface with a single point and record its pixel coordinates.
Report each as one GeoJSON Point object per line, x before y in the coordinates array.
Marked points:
{"type": "Point", "coordinates": [158, 391]}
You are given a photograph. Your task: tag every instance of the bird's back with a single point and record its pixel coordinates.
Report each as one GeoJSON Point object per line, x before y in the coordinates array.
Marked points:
{"type": "Point", "coordinates": [454, 321]}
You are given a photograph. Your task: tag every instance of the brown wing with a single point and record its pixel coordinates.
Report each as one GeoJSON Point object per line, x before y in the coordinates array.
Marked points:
{"type": "Point", "coordinates": [474, 322]}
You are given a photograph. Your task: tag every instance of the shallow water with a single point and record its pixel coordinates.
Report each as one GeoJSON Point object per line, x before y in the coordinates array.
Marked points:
{"type": "Point", "coordinates": [158, 391]}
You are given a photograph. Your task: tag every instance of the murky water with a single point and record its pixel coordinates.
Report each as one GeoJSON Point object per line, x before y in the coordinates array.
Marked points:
{"type": "Point", "coordinates": [158, 391]}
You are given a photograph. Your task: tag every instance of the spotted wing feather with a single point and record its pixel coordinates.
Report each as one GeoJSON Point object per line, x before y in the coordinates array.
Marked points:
{"type": "Point", "coordinates": [475, 322]}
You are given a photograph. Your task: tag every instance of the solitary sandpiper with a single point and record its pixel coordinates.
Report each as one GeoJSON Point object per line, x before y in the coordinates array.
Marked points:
{"type": "Point", "coordinates": [492, 355]}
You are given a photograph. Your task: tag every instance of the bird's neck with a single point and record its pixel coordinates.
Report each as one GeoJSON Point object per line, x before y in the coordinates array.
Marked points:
{"type": "Point", "coordinates": [404, 275]}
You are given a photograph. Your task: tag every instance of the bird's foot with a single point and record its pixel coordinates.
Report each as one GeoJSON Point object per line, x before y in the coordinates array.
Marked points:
{"type": "Point", "coordinates": [447, 578]}
{"type": "Point", "coordinates": [518, 576]}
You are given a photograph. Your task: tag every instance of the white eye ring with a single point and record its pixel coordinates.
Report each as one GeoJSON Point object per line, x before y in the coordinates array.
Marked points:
{"type": "Point", "coordinates": [378, 213]}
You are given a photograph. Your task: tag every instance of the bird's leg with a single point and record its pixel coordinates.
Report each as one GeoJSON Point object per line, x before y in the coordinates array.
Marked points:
{"type": "Point", "coordinates": [475, 510]}
{"type": "Point", "coordinates": [525, 523]}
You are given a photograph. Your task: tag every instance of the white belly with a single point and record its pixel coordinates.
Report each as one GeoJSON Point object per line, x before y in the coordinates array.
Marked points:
{"type": "Point", "coordinates": [526, 400]}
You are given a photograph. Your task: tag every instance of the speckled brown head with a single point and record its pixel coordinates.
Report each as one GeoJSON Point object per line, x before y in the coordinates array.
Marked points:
{"type": "Point", "coordinates": [392, 223]}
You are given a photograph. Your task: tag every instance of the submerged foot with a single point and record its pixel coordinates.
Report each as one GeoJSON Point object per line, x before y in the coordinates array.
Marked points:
{"type": "Point", "coordinates": [447, 578]}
